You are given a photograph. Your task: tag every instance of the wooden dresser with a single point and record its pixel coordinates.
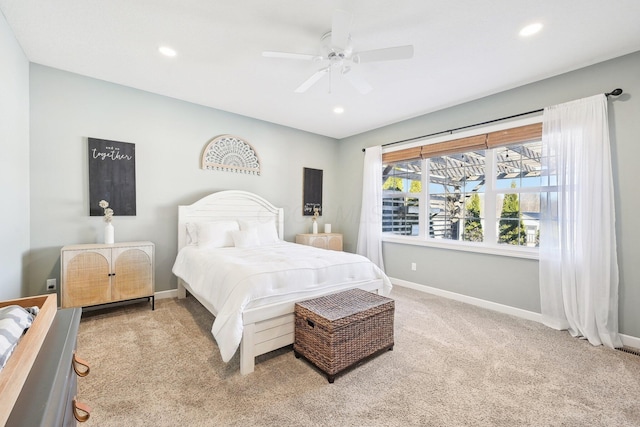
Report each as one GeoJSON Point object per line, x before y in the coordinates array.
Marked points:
{"type": "Point", "coordinates": [93, 274]}
{"type": "Point", "coordinates": [49, 392]}
{"type": "Point", "coordinates": [331, 241]}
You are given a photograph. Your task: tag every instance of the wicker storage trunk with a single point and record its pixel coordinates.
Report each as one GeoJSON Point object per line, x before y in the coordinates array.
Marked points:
{"type": "Point", "coordinates": [336, 331]}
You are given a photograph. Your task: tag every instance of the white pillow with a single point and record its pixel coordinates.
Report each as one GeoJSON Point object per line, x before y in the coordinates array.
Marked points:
{"type": "Point", "coordinates": [216, 234]}
{"type": "Point", "coordinates": [267, 233]}
{"type": "Point", "coordinates": [245, 238]}
{"type": "Point", "coordinates": [192, 233]}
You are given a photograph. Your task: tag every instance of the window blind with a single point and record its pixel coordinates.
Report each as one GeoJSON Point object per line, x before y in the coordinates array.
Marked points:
{"type": "Point", "coordinates": [516, 135]}
{"type": "Point", "coordinates": [478, 142]}
{"type": "Point", "coordinates": [402, 155]}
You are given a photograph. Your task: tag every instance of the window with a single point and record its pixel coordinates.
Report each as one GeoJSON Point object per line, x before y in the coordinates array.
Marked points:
{"type": "Point", "coordinates": [518, 187]}
{"type": "Point", "coordinates": [484, 190]}
{"type": "Point", "coordinates": [456, 196]}
{"type": "Point", "coordinates": [402, 191]}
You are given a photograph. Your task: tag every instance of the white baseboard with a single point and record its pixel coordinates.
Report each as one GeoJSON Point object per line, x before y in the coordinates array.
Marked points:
{"type": "Point", "coordinates": [172, 293]}
{"type": "Point", "coordinates": [630, 341]}
{"type": "Point", "coordinates": [627, 340]}
{"type": "Point", "coordinates": [524, 314]}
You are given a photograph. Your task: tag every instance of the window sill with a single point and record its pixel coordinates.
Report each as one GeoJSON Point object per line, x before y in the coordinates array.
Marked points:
{"type": "Point", "coordinates": [501, 250]}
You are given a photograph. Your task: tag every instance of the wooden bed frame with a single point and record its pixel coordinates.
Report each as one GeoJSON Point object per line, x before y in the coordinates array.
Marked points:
{"type": "Point", "coordinates": [265, 328]}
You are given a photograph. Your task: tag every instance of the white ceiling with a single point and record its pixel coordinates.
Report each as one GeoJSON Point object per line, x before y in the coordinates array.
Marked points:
{"type": "Point", "coordinates": [464, 50]}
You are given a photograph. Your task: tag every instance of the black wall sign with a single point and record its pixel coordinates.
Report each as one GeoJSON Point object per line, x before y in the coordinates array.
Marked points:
{"type": "Point", "coordinates": [312, 197]}
{"type": "Point", "coordinates": [112, 176]}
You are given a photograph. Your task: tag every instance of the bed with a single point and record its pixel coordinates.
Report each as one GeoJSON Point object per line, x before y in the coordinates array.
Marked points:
{"type": "Point", "coordinates": [233, 259]}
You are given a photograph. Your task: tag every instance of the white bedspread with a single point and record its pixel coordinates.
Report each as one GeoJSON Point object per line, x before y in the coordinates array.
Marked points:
{"type": "Point", "coordinates": [232, 279]}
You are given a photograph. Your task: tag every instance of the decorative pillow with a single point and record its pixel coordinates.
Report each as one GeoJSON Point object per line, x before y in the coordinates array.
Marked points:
{"type": "Point", "coordinates": [267, 233]}
{"type": "Point", "coordinates": [14, 321]}
{"type": "Point", "coordinates": [192, 233]}
{"type": "Point", "coordinates": [216, 234]}
{"type": "Point", "coordinates": [245, 238]}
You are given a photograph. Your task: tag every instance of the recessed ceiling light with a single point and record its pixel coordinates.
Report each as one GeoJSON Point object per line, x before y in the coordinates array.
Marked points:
{"type": "Point", "coordinates": [167, 51]}
{"type": "Point", "coordinates": [338, 110]}
{"type": "Point", "coordinates": [531, 29]}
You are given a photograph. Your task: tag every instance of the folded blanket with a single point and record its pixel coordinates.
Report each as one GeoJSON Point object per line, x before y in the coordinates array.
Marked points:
{"type": "Point", "coordinates": [14, 322]}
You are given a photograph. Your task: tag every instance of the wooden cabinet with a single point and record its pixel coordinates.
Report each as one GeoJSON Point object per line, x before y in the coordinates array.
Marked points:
{"type": "Point", "coordinates": [98, 274]}
{"type": "Point", "coordinates": [331, 241]}
{"type": "Point", "coordinates": [48, 396]}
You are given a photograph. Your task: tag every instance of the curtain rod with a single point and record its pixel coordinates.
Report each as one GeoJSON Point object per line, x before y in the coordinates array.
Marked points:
{"type": "Point", "coordinates": [615, 92]}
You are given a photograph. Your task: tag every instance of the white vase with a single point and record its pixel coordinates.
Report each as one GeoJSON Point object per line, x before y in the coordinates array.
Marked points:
{"type": "Point", "coordinates": [315, 227]}
{"type": "Point", "coordinates": [109, 233]}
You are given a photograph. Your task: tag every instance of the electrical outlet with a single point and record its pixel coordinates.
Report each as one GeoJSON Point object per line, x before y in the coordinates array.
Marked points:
{"type": "Point", "coordinates": [51, 284]}
{"type": "Point", "coordinates": [413, 266]}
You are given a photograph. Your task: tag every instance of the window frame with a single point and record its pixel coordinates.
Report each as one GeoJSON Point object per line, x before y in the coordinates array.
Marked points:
{"type": "Point", "coordinates": [493, 248]}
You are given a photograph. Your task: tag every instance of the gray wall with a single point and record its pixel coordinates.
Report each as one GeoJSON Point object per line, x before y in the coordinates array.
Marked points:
{"type": "Point", "coordinates": [170, 136]}
{"type": "Point", "coordinates": [506, 280]}
{"type": "Point", "coordinates": [14, 165]}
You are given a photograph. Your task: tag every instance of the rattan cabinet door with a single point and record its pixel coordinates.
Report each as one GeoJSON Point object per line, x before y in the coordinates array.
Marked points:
{"type": "Point", "coordinates": [132, 272]}
{"type": "Point", "coordinates": [334, 242]}
{"type": "Point", "coordinates": [318, 242]}
{"type": "Point", "coordinates": [85, 277]}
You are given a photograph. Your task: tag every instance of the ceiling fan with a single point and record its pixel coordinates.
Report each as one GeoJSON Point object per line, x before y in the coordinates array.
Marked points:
{"type": "Point", "coordinates": [338, 55]}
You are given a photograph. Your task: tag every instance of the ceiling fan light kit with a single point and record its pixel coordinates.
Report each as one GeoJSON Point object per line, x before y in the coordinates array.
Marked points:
{"type": "Point", "coordinates": [338, 55]}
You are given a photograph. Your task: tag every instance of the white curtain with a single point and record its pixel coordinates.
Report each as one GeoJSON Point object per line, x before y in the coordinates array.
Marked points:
{"type": "Point", "coordinates": [578, 259]}
{"type": "Point", "coordinates": [370, 232]}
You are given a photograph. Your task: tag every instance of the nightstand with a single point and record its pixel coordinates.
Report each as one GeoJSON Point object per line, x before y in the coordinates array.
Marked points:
{"type": "Point", "coordinates": [332, 241]}
{"type": "Point", "coordinates": [95, 274]}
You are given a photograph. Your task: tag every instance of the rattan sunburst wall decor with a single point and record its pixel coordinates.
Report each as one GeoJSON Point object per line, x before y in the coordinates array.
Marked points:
{"type": "Point", "coordinates": [230, 154]}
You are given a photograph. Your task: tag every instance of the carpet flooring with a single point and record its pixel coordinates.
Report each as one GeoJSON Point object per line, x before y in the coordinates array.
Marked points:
{"type": "Point", "coordinates": [453, 364]}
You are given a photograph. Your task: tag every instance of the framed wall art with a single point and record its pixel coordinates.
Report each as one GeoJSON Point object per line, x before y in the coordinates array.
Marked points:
{"type": "Point", "coordinates": [112, 176]}
{"type": "Point", "coordinates": [312, 191]}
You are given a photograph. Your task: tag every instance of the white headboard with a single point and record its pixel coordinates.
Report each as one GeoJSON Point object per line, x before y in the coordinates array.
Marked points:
{"type": "Point", "coordinates": [228, 205]}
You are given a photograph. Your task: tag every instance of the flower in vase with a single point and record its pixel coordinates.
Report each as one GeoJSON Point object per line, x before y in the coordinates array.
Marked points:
{"type": "Point", "coordinates": [108, 212]}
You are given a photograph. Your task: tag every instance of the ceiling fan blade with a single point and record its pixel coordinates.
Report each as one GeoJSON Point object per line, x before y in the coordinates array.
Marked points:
{"type": "Point", "coordinates": [287, 55]}
{"type": "Point", "coordinates": [340, 28]}
{"type": "Point", "coordinates": [358, 82]}
{"type": "Point", "coordinates": [312, 80]}
{"type": "Point", "coordinates": [386, 54]}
